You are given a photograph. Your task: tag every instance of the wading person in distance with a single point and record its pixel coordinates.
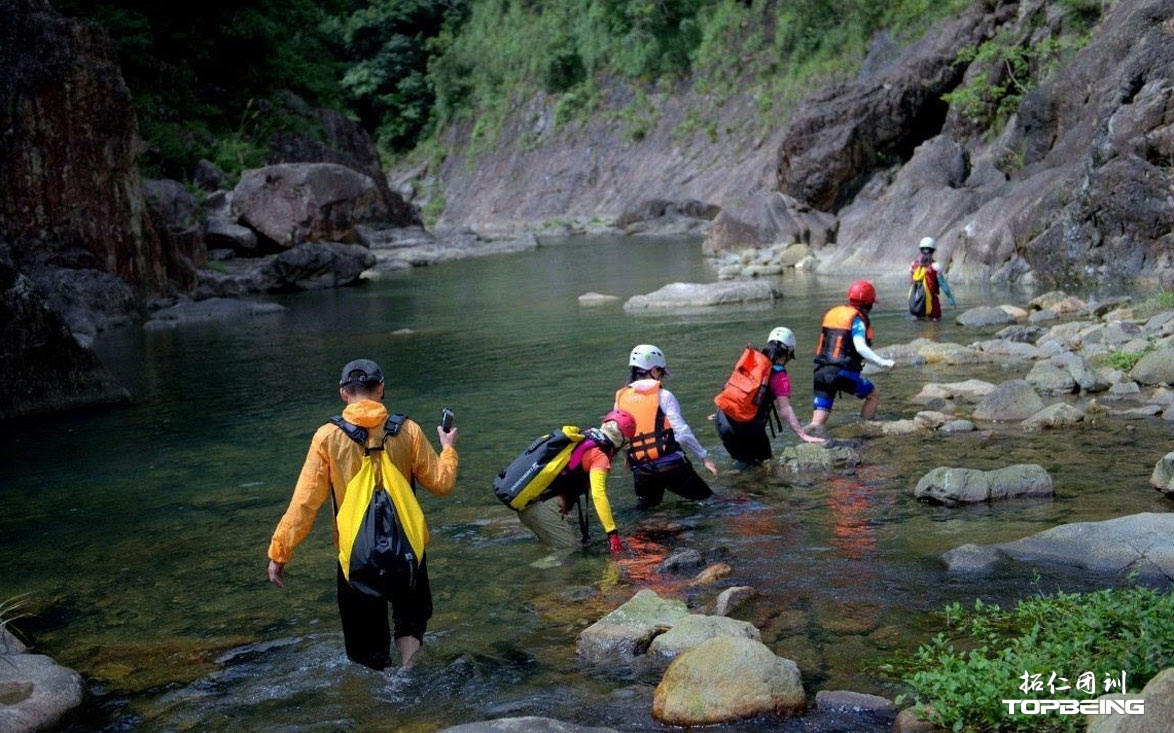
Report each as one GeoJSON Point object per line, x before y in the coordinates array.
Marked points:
{"type": "Point", "coordinates": [655, 453]}
{"type": "Point", "coordinates": [845, 343]}
{"type": "Point", "coordinates": [336, 458]}
{"type": "Point", "coordinates": [926, 281]}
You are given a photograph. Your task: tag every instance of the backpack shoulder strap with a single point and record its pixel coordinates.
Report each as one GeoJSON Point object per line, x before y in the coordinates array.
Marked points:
{"type": "Point", "coordinates": [354, 432]}
{"type": "Point", "coordinates": [393, 424]}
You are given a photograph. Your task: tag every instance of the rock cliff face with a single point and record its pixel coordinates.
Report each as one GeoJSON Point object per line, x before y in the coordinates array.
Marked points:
{"type": "Point", "coordinates": [1076, 189]}
{"type": "Point", "coordinates": [70, 191]}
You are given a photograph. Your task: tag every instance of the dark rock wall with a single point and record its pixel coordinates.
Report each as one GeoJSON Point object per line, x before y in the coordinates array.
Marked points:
{"type": "Point", "coordinates": [69, 185]}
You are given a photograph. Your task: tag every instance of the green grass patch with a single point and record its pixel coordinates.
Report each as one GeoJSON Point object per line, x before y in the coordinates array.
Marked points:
{"type": "Point", "coordinates": [1158, 302]}
{"type": "Point", "coordinates": [960, 677]}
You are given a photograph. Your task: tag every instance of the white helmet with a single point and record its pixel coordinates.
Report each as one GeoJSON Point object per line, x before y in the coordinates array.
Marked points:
{"type": "Point", "coordinates": [647, 356]}
{"type": "Point", "coordinates": [927, 243]}
{"type": "Point", "coordinates": [784, 336]}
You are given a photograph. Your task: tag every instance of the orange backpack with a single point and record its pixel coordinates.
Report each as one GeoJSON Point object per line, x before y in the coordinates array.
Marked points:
{"type": "Point", "coordinates": [746, 389]}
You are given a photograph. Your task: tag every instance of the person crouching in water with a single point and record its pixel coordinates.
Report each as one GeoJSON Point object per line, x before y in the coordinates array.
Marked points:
{"type": "Point", "coordinates": [747, 441]}
{"type": "Point", "coordinates": [655, 454]}
{"type": "Point", "coordinates": [845, 343]}
{"type": "Point", "coordinates": [590, 462]}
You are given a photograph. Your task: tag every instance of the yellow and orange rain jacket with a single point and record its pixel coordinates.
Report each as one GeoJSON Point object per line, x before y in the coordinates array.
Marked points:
{"type": "Point", "coordinates": [334, 458]}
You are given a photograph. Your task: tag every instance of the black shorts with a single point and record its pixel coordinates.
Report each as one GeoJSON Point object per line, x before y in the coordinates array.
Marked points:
{"type": "Point", "coordinates": [365, 628]}
{"type": "Point", "coordinates": [831, 380]}
{"type": "Point", "coordinates": [673, 473]}
{"type": "Point", "coordinates": [746, 442]}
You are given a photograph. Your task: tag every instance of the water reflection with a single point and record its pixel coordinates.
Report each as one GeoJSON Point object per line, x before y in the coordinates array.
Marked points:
{"type": "Point", "coordinates": [141, 543]}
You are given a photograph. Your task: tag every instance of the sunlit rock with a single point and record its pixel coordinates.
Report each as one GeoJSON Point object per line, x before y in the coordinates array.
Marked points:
{"type": "Point", "coordinates": [627, 631]}
{"type": "Point", "coordinates": [727, 679]}
{"type": "Point", "coordinates": [694, 629]}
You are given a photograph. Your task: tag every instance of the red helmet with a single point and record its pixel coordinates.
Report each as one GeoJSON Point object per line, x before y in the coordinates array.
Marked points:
{"type": "Point", "coordinates": [624, 420]}
{"type": "Point", "coordinates": [861, 293]}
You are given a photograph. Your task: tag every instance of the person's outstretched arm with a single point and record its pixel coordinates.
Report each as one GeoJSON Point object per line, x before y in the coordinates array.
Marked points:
{"type": "Point", "coordinates": [946, 287]}
{"type": "Point", "coordinates": [783, 406]}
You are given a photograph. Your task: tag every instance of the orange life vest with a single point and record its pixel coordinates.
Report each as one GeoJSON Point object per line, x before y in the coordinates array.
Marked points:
{"type": "Point", "coordinates": [835, 345]}
{"type": "Point", "coordinates": [654, 436]}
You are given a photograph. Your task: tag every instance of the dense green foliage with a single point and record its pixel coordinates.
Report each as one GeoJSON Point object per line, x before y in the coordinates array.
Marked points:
{"type": "Point", "coordinates": [212, 79]}
{"type": "Point", "coordinates": [1007, 67]}
{"type": "Point", "coordinates": [962, 674]}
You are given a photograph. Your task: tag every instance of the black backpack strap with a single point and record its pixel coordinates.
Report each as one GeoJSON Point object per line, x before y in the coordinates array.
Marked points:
{"type": "Point", "coordinates": [393, 424]}
{"type": "Point", "coordinates": [354, 432]}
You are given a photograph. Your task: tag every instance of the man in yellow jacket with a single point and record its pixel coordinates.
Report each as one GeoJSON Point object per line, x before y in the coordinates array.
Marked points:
{"type": "Point", "coordinates": [333, 459]}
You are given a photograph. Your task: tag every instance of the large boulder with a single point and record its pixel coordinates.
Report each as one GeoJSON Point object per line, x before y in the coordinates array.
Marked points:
{"type": "Point", "coordinates": [1010, 401]}
{"type": "Point", "coordinates": [727, 679]}
{"type": "Point", "coordinates": [1158, 694]}
{"type": "Point", "coordinates": [37, 349]}
{"type": "Point", "coordinates": [36, 692]}
{"type": "Point", "coordinates": [293, 203]}
{"type": "Point", "coordinates": [686, 296]}
{"type": "Point", "coordinates": [954, 486]}
{"type": "Point", "coordinates": [316, 266]}
{"type": "Point", "coordinates": [1138, 543]}
{"type": "Point", "coordinates": [1156, 367]}
{"type": "Point", "coordinates": [767, 219]}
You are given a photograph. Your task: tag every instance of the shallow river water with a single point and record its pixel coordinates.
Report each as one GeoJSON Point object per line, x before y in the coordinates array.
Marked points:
{"type": "Point", "coordinates": [138, 534]}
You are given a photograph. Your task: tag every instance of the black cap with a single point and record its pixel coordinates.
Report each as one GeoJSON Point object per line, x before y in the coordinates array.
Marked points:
{"type": "Point", "coordinates": [361, 370]}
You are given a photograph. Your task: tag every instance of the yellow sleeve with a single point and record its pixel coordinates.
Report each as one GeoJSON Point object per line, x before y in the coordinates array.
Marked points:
{"type": "Point", "coordinates": [599, 498]}
{"type": "Point", "coordinates": [311, 491]}
{"type": "Point", "coordinates": [437, 473]}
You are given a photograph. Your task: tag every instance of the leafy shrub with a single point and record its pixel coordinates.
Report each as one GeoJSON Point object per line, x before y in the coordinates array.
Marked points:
{"type": "Point", "coordinates": [959, 679]}
{"type": "Point", "coordinates": [1163, 300]}
{"type": "Point", "coordinates": [1122, 360]}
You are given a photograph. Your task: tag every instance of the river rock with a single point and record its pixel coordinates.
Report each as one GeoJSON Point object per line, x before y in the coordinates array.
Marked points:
{"type": "Point", "coordinates": [838, 456]}
{"type": "Point", "coordinates": [626, 632]}
{"type": "Point", "coordinates": [1054, 416]}
{"type": "Point", "coordinates": [1158, 694]}
{"type": "Point", "coordinates": [971, 560]}
{"type": "Point", "coordinates": [984, 316]}
{"type": "Point", "coordinates": [315, 266]}
{"type": "Point", "coordinates": [293, 203]}
{"type": "Point", "coordinates": [593, 298]}
{"type": "Point", "coordinates": [1010, 401]}
{"type": "Point", "coordinates": [688, 559]}
{"type": "Point", "coordinates": [1005, 349]}
{"type": "Point", "coordinates": [1162, 478]}
{"type": "Point", "coordinates": [211, 309]}
{"type": "Point", "coordinates": [1020, 333]}
{"type": "Point", "coordinates": [727, 679]}
{"type": "Point", "coordinates": [1160, 323]}
{"type": "Point", "coordinates": [764, 219]}
{"type": "Point", "coordinates": [1058, 302]}
{"type": "Point", "coordinates": [1141, 543]}
{"type": "Point", "coordinates": [1050, 378]}
{"type": "Point", "coordinates": [36, 692]}
{"type": "Point", "coordinates": [731, 598]}
{"type": "Point", "coordinates": [1156, 367]}
{"type": "Point", "coordinates": [846, 701]}
{"type": "Point", "coordinates": [678, 296]}
{"type": "Point", "coordinates": [1068, 335]}
{"type": "Point", "coordinates": [527, 724]}
{"type": "Point", "coordinates": [952, 486]}
{"type": "Point", "coordinates": [225, 234]}
{"type": "Point", "coordinates": [696, 628]}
